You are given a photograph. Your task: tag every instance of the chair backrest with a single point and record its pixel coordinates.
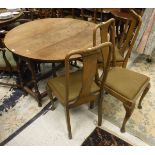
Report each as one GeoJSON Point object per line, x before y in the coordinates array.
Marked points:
{"type": "Point", "coordinates": [127, 28]}
{"type": "Point", "coordinates": [89, 70]}
{"type": "Point", "coordinates": [107, 34]}
{"type": "Point", "coordinates": [122, 32]}
{"type": "Point", "coordinates": [4, 62]}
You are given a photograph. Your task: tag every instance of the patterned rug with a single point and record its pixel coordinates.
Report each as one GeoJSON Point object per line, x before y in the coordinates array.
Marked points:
{"type": "Point", "coordinates": [17, 111]}
{"type": "Point", "coordinates": [142, 122]}
{"type": "Point", "coordinates": [101, 137]}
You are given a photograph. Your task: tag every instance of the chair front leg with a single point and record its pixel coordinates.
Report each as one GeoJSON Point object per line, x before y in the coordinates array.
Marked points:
{"type": "Point", "coordinates": [68, 123]}
{"type": "Point", "coordinates": [129, 111]}
{"type": "Point", "coordinates": [143, 95]}
{"type": "Point", "coordinates": [34, 80]}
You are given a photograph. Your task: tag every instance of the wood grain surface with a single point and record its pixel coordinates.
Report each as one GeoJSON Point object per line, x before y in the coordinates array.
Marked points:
{"type": "Point", "coordinates": [50, 38]}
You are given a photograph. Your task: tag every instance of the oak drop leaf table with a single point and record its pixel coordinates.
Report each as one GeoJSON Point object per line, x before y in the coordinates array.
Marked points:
{"type": "Point", "coordinates": [48, 40]}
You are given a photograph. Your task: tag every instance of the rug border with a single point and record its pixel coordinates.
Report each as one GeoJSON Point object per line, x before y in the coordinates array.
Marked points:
{"type": "Point", "coordinates": [107, 132]}
{"type": "Point", "coordinates": [18, 131]}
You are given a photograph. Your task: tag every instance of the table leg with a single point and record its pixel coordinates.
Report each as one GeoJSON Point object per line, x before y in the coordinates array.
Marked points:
{"type": "Point", "coordinates": [27, 84]}
{"type": "Point", "coordinates": [95, 15]}
{"type": "Point", "coordinates": [34, 80]}
{"type": "Point", "coordinates": [20, 79]}
{"type": "Point", "coordinates": [73, 13]}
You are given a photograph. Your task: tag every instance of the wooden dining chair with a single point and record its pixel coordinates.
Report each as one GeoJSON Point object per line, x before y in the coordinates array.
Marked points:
{"type": "Point", "coordinates": [122, 36]}
{"type": "Point", "coordinates": [7, 62]}
{"type": "Point", "coordinates": [80, 87]}
{"type": "Point", "coordinates": [127, 86]}
{"type": "Point", "coordinates": [124, 84]}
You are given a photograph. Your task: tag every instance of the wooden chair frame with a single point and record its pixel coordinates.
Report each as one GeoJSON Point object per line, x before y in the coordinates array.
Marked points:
{"type": "Point", "coordinates": [129, 35]}
{"type": "Point", "coordinates": [127, 38]}
{"type": "Point", "coordinates": [106, 27]}
{"type": "Point", "coordinates": [8, 67]}
{"type": "Point", "coordinates": [89, 56]}
{"type": "Point", "coordinates": [109, 26]}
{"type": "Point", "coordinates": [128, 104]}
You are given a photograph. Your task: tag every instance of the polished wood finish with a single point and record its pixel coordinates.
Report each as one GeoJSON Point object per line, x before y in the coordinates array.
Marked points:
{"type": "Point", "coordinates": [89, 91]}
{"type": "Point", "coordinates": [49, 39]}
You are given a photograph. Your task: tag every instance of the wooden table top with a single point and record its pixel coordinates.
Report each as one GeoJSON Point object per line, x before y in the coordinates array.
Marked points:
{"type": "Point", "coordinates": [10, 20]}
{"type": "Point", "coordinates": [50, 38]}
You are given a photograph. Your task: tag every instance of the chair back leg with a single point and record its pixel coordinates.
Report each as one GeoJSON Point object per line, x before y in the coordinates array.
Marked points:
{"type": "Point", "coordinates": [100, 99]}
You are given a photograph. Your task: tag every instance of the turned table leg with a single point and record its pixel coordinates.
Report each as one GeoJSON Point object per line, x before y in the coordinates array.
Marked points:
{"type": "Point", "coordinates": [34, 80]}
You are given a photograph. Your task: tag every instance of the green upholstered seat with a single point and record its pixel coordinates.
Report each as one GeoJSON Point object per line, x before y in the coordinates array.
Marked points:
{"type": "Point", "coordinates": [58, 85]}
{"type": "Point", "coordinates": [9, 57]}
{"type": "Point", "coordinates": [125, 82]}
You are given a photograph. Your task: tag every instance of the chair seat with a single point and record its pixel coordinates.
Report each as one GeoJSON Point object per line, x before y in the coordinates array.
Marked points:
{"type": "Point", "coordinates": [126, 82]}
{"type": "Point", "coordinates": [58, 86]}
{"type": "Point", "coordinates": [9, 57]}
